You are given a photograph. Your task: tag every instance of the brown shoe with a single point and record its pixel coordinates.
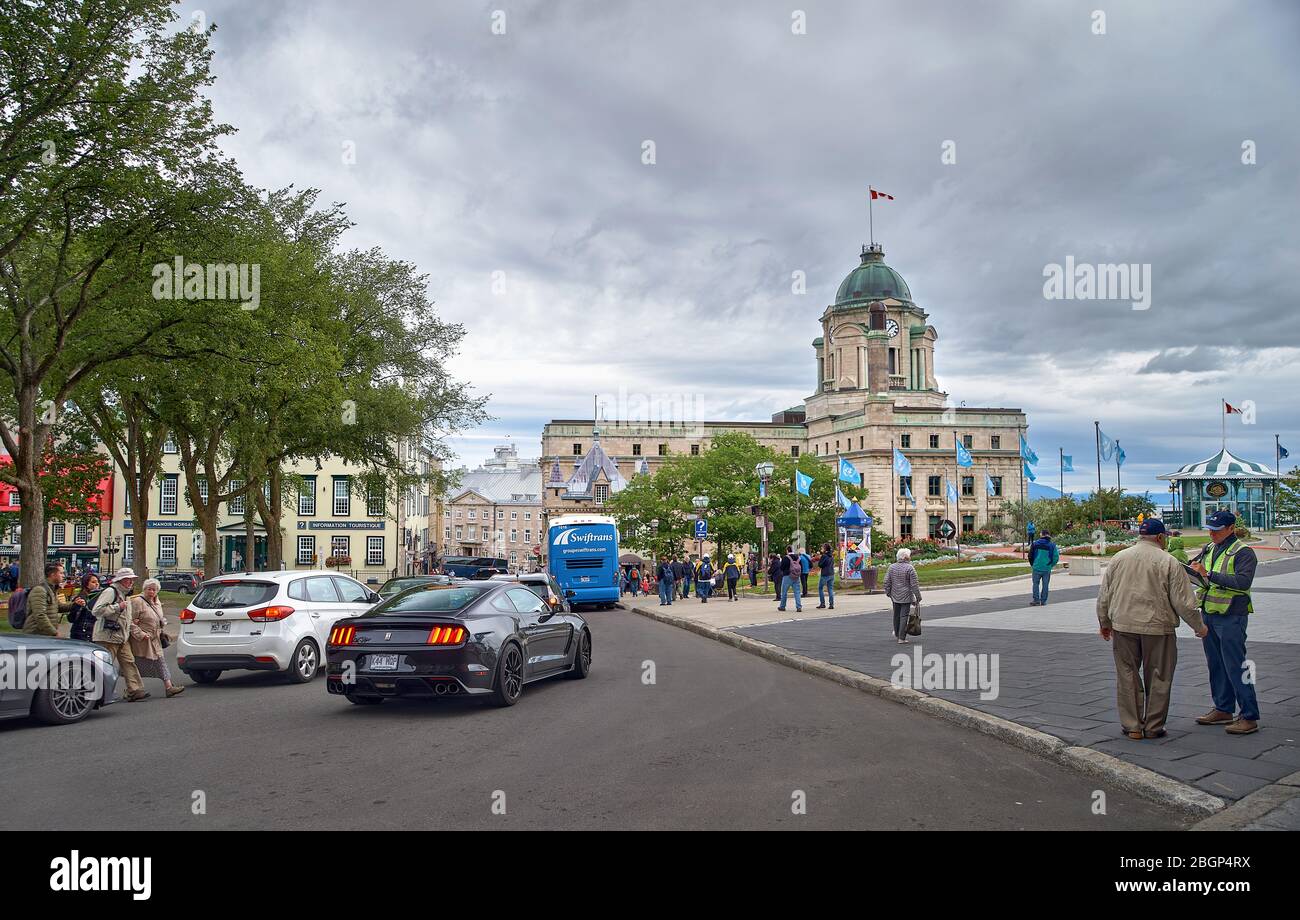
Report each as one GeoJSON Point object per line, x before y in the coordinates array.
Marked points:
{"type": "Point", "coordinates": [1132, 736]}
{"type": "Point", "coordinates": [175, 690]}
{"type": "Point", "coordinates": [137, 696]}
{"type": "Point", "coordinates": [1215, 717]}
{"type": "Point", "coordinates": [1158, 733]}
{"type": "Point", "coordinates": [1243, 727]}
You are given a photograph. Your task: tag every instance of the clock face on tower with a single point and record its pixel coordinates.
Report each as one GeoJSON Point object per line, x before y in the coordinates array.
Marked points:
{"type": "Point", "coordinates": [891, 326]}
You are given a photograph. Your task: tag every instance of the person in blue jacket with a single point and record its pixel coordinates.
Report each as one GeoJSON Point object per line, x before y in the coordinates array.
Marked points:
{"type": "Point", "coordinates": [1043, 556]}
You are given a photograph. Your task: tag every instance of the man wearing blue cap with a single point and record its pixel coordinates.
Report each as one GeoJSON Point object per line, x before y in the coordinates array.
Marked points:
{"type": "Point", "coordinates": [1144, 594]}
{"type": "Point", "coordinates": [1226, 604]}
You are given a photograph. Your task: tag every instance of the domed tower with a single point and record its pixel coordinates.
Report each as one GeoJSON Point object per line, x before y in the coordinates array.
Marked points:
{"type": "Point", "coordinates": [898, 365]}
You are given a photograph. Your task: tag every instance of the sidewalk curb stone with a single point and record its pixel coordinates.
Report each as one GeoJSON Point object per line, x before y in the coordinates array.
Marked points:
{"type": "Point", "coordinates": [1139, 780]}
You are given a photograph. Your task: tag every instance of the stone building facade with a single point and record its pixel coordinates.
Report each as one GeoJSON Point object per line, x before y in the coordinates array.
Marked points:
{"type": "Point", "coordinates": [875, 390]}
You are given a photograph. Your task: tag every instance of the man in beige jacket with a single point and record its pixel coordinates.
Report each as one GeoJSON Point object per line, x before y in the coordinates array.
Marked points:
{"type": "Point", "coordinates": [1144, 594]}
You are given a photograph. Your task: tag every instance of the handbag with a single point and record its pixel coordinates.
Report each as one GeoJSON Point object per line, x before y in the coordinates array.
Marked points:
{"type": "Point", "coordinates": [914, 620]}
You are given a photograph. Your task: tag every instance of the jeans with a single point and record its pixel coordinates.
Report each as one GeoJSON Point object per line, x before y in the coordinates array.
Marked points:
{"type": "Point", "coordinates": [704, 587]}
{"type": "Point", "coordinates": [1225, 653]}
{"type": "Point", "coordinates": [1043, 578]}
{"type": "Point", "coordinates": [803, 581]}
{"type": "Point", "coordinates": [788, 584]}
{"type": "Point", "coordinates": [666, 591]}
{"type": "Point", "coordinates": [825, 583]}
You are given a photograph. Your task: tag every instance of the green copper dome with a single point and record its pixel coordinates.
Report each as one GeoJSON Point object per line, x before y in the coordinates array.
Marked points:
{"type": "Point", "coordinates": [873, 280]}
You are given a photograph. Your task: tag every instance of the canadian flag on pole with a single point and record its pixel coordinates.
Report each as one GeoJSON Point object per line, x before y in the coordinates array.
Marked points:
{"type": "Point", "coordinates": [1229, 408]}
{"type": "Point", "coordinates": [875, 194]}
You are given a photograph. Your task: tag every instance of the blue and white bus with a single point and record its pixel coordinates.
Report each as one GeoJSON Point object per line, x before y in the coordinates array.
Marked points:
{"type": "Point", "coordinates": [582, 554]}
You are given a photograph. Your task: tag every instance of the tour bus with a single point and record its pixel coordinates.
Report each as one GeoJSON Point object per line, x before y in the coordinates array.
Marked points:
{"type": "Point", "coordinates": [582, 554]}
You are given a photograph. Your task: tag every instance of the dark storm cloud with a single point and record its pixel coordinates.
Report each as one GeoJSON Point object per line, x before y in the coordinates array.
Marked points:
{"type": "Point", "coordinates": [516, 158]}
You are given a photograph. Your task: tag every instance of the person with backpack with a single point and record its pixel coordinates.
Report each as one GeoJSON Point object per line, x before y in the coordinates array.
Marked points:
{"type": "Point", "coordinates": [42, 607]}
{"type": "Point", "coordinates": [1043, 556]}
{"type": "Point", "coordinates": [114, 630]}
{"type": "Point", "coordinates": [82, 620]}
{"type": "Point", "coordinates": [667, 581]}
{"type": "Point", "coordinates": [774, 575]}
{"type": "Point", "coordinates": [826, 576]}
{"type": "Point", "coordinates": [731, 574]}
{"type": "Point", "coordinates": [704, 580]}
{"type": "Point", "coordinates": [683, 570]}
{"type": "Point", "coordinates": [790, 579]}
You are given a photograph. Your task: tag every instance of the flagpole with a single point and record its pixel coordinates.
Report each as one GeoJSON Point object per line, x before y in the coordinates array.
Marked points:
{"type": "Point", "coordinates": [1097, 427]}
{"type": "Point", "coordinates": [1118, 487]}
{"type": "Point", "coordinates": [1277, 475]}
{"type": "Point", "coordinates": [1020, 452]}
{"type": "Point", "coordinates": [871, 222]}
{"type": "Point", "coordinates": [1061, 451]}
{"type": "Point", "coordinates": [893, 493]}
{"type": "Point", "coordinates": [1223, 420]}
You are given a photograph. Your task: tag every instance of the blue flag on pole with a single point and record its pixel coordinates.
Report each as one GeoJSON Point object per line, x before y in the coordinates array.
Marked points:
{"type": "Point", "coordinates": [1107, 447]}
{"type": "Point", "coordinates": [1029, 474]}
{"type": "Point", "coordinates": [1067, 463]}
{"type": "Point", "coordinates": [1283, 453]}
{"type": "Point", "coordinates": [988, 485]}
{"type": "Point", "coordinates": [802, 482]}
{"type": "Point", "coordinates": [839, 497]}
{"type": "Point", "coordinates": [963, 455]}
{"type": "Point", "coordinates": [849, 473]}
{"type": "Point", "coordinates": [1120, 456]}
{"type": "Point", "coordinates": [952, 493]}
{"type": "Point", "coordinates": [1026, 451]}
{"type": "Point", "coordinates": [907, 490]}
{"type": "Point", "coordinates": [904, 468]}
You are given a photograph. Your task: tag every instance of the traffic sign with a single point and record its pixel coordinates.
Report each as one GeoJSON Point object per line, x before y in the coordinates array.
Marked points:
{"type": "Point", "coordinates": [701, 528]}
{"type": "Point", "coordinates": [947, 529]}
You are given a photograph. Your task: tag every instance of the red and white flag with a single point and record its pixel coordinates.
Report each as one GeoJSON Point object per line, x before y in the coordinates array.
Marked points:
{"type": "Point", "coordinates": [875, 194]}
{"type": "Point", "coordinates": [1229, 409]}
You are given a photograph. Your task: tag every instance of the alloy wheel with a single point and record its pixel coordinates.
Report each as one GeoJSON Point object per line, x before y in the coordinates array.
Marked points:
{"type": "Point", "coordinates": [512, 673]}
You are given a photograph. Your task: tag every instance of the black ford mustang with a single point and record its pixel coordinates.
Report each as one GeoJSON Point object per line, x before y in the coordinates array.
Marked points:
{"type": "Point", "coordinates": [466, 638]}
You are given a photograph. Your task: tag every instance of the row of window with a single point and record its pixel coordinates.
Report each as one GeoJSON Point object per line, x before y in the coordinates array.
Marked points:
{"type": "Point", "coordinates": [166, 549]}
{"type": "Point", "coordinates": [340, 546]}
{"type": "Point", "coordinates": [663, 450]}
{"type": "Point", "coordinates": [59, 534]}
{"type": "Point", "coordinates": [487, 515]}
{"type": "Point", "coordinates": [905, 525]}
{"type": "Point", "coordinates": [169, 488]}
{"type": "Point", "coordinates": [514, 534]}
{"type": "Point", "coordinates": [934, 486]}
{"type": "Point", "coordinates": [905, 442]}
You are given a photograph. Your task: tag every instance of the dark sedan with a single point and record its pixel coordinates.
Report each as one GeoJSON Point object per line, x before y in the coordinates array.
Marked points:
{"type": "Point", "coordinates": [485, 638]}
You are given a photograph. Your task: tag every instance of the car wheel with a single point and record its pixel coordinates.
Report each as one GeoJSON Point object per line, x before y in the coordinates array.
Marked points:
{"type": "Point", "coordinates": [509, 683]}
{"type": "Point", "coordinates": [304, 662]}
{"type": "Point", "coordinates": [205, 676]}
{"type": "Point", "coordinates": [582, 657]}
{"type": "Point", "coordinates": [365, 700]}
{"type": "Point", "coordinates": [66, 701]}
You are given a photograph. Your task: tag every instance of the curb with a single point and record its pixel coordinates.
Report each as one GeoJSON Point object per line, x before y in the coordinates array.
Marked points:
{"type": "Point", "coordinates": [1139, 780]}
{"type": "Point", "coordinates": [1254, 806]}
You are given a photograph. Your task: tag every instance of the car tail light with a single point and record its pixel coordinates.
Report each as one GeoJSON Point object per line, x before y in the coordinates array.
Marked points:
{"type": "Point", "coordinates": [269, 614]}
{"type": "Point", "coordinates": [187, 615]}
{"type": "Point", "coordinates": [342, 635]}
{"type": "Point", "coordinates": [446, 635]}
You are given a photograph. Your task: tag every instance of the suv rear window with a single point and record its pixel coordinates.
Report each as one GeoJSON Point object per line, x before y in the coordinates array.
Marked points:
{"type": "Point", "coordinates": [233, 594]}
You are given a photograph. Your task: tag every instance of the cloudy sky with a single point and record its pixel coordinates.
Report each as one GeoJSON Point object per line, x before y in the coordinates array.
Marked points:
{"type": "Point", "coordinates": [508, 163]}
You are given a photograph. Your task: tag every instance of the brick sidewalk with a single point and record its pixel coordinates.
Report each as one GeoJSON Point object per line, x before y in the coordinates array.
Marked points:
{"type": "Point", "coordinates": [1058, 676]}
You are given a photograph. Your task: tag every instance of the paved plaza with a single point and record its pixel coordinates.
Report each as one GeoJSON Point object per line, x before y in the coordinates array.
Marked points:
{"type": "Point", "coordinates": [1057, 675]}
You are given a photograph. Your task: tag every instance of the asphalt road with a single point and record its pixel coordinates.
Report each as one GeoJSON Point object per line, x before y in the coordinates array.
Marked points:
{"type": "Point", "coordinates": [722, 739]}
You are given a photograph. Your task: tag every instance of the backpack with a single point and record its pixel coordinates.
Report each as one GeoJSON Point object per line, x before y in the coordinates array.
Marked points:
{"type": "Point", "coordinates": [18, 608]}
{"type": "Point", "coordinates": [706, 571]}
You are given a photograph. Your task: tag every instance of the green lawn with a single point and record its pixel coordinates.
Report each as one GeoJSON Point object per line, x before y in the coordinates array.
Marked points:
{"type": "Point", "coordinates": [172, 603]}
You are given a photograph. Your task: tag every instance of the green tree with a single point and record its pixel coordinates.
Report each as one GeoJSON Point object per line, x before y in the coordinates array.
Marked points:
{"type": "Point", "coordinates": [1288, 497]}
{"type": "Point", "coordinates": [106, 143]}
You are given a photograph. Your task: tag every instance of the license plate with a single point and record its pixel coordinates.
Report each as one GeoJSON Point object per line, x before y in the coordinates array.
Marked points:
{"type": "Point", "coordinates": [221, 627]}
{"type": "Point", "coordinates": [383, 662]}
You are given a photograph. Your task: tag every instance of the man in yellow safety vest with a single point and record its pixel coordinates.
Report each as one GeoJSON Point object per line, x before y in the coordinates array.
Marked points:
{"type": "Point", "coordinates": [1226, 604]}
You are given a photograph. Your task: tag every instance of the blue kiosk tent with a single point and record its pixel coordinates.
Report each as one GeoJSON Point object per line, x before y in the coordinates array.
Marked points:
{"type": "Point", "coordinates": [1225, 482]}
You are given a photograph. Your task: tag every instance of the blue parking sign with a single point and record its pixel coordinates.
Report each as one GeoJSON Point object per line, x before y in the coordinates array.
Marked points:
{"type": "Point", "coordinates": [701, 529]}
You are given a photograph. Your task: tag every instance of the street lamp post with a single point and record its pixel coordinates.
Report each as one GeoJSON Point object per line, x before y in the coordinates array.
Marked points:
{"type": "Point", "coordinates": [764, 472]}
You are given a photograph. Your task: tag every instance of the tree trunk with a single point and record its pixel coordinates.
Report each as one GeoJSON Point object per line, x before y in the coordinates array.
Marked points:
{"type": "Point", "coordinates": [250, 543]}
{"type": "Point", "coordinates": [31, 555]}
{"type": "Point", "coordinates": [271, 514]}
{"type": "Point", "coordinates": [139, 529]}
{"type": "Point", "coordinates": [211, 546]}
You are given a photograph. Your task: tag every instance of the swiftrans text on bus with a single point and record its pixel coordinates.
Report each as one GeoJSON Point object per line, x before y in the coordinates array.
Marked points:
{"type": "Point", "coordinates": [582, 554]}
